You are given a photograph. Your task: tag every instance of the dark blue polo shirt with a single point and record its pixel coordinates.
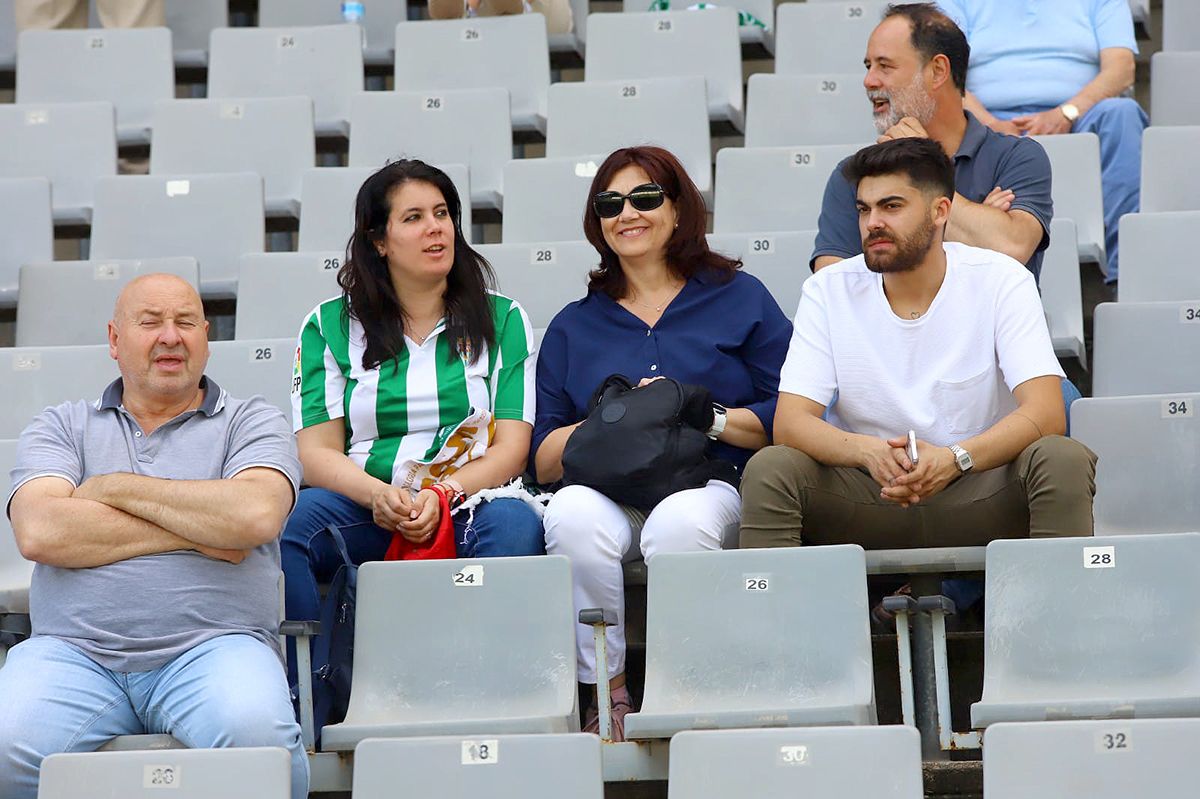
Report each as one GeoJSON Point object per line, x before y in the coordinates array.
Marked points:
{"type": "Point", "coordinates": [985, 159]}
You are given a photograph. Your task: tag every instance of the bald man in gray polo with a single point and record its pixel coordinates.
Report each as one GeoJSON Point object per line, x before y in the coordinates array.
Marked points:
{"type": "Point", "coordinates": [153, 515]}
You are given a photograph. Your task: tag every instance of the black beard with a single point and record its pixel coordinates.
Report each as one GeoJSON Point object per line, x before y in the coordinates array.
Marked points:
{"type": "Point", "coordinates": [909, 253]}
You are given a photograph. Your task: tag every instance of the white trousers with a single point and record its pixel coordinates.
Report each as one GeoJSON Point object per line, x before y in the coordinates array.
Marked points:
{"type": "Point", "coordinates": [598, 535]}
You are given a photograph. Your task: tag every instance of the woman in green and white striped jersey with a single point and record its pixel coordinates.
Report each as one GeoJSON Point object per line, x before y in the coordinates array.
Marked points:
{"type": "Point", "coordinates": [416, 376]}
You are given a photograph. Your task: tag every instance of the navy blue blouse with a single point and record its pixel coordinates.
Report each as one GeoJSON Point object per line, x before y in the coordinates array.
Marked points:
{"type": "Point", "coordinates": [728, 337]}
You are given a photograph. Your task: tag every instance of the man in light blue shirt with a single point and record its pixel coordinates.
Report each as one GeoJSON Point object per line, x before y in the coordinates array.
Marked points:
{"type": "Point", "coordinates": [1044, 67]}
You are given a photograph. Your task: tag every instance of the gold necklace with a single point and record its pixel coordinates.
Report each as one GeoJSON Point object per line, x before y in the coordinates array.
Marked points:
{"type": "Point", "coordinates": [657, 308]}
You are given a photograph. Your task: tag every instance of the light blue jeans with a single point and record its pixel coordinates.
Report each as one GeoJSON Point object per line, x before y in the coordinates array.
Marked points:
{"type": "Point", "coordinates": [228, 691]}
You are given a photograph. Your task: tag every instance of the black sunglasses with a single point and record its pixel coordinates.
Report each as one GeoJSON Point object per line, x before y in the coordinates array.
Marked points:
{"type": "Point", "coordinates": [645, 197]}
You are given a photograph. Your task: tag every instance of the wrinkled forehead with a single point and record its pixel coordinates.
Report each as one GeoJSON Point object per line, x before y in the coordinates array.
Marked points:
{"type": "Point", "coordinates": [892, 41]}
{"type": "Point", "coordinates": [876, 188]}
{"type": "Point", "coordinates": [158, 295]}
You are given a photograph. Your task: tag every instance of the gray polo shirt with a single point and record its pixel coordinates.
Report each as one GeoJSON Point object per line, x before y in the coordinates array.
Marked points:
{"type": "Point", "coordinates": [138, 614]}
{"type": "Point", "coordinates": [985, 159]}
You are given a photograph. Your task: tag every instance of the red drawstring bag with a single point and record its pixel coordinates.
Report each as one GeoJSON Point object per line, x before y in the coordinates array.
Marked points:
{"type": "Point", "coordinates": [440, 547]}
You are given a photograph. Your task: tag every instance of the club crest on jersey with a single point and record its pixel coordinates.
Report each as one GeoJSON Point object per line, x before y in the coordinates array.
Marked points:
{"type": "Point", "coordinates": [296, 372]}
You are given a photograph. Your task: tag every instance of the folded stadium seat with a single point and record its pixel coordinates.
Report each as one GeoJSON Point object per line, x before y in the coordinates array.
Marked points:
{"type": "Point", "coordinates": [542, 276]}
{"type": "Point", "coordinates": [272, 136]}
{"type": "Point", "coordinates": [130, 68]}
{"type": "Point", "coordinates": [72, 144]}
{"type": "Point", "coordinates": [1151, 267]}
{"type": "Point", "coordinates": [255, 366]}
{"type": "Point", "coordinates": [69, 303]}
{"type": "Point", "coordinates": [277, 291]}
{"type": "Point", "coordinates": [756, 638]}
{"type": "Point", "coordinates": [1164, 151]}
{"type": "Point", "coordinates": [378, 23]}
{"type": "Point", "coordinates": [791, 110]}
{"type": "Point", "coordinates": [815, 38]}
{"type": "Point", "coordinates": [323, 62]}
{"type": "Point", "coordinates": [1078, 628]}
{"type": "Point", "coordinates": [1173, 88]}
{"type": "Point", "coordinates": [526, 766]}
{"type": "Point", "coordinates": [545, 199]}
{"type": "Point", "coordinates": [599, 117]}
{"type": "Point", "coordinates": [191, 23]}
{"type": "Point", "coordinates": [762, 10]}
{"type": "Point", "coordinates": [1075, 163]}
{"type": "Point", "coordinates": [811, 762]}
{"type": "Point", "coordinates": [779, 260]}
{"type": "Point", "coordinates": [762, 189]}
{"type": "Point", "coordinates": [672, 43]}
{"type": "Point", "coordinates": [1180, 25]}
{"type": "Point", "coordinates": [454, 126]}
{"type": "Point", "coordinates": [1062, 297]}
{"type": "Point", "coordinates": [1146, 348]}
{"type": "Point", "coordinates": [327, 199]}
{"type": "Point", "coordinates": [213, 218]}
{"type": "Point", "coordinates": [8, 36]}
{"type": "Point", "coordinates": [26, 230]}
{"type": "Point", "coordinates": [1093, 759]}
{"type": "Point", "coordinates": [485, 647]}
{"type": "Point", "coordinates": [15, 571]}
{"type": "Point", "coordinates": [247, 773]}
{"type": "Point", "coordinates": [33, 378]}
{"type": "Point", "coordinates": [509, 52]}
{"type": "Point", "coordinates": [1148, 471]}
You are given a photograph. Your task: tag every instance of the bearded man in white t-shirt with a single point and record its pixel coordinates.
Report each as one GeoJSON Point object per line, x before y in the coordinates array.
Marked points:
{"type": "Point", "coordinates": [919, 334]}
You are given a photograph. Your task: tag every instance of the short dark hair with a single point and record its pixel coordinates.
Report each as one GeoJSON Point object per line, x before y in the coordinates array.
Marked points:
{"type": "Point", "coordinates": [922, 160]}
{"type": "Point", "coordinates": [934, 33]}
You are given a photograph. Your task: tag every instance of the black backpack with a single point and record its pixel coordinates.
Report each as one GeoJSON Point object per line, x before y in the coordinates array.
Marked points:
{"type": "Point", "coordinates": [640, 445]}
{"type": "Point", "coordinates": [331, 683]}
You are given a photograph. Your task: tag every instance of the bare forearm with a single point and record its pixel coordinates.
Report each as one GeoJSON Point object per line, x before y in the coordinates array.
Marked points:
{"type": "Point", "coordinates": [1001, 443]}
{"type": "Point", "coordinates": [76, 533]}
{"type": "Point", "coordinates": [980, 225]}
{"type": "Point", "coordinates": [972, 104]}
{"type": "Point", "coordinates": [743, 429]}
{"type": "Point", "coordinates": [547, 462]}
{"type": "Point", "coordinates": [1117, 69]}
{"type": "Point", "coordinates": [334, 471]}
{"type": "Point", "coordinates": [818, 439]}
{"type": "Point", "coordinates": [499, 464]}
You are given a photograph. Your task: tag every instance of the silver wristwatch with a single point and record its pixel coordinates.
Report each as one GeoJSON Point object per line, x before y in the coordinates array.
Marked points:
{"type": "Point", "coordinates": [719, 419]}
{"type": "Point", "coordinates": [962, 458]}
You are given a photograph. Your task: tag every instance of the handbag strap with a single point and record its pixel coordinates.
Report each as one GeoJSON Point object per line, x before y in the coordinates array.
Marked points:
{"type": "Point", "coordinates": [340, 543]}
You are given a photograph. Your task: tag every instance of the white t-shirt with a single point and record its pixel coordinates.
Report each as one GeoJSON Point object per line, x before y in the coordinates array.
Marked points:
{"type": "Point", "coordinates": [948, 375]}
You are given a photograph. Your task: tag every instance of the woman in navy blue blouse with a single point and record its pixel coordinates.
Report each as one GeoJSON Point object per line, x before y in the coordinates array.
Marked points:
{"type": "Point", "coordinates": [661, 304]}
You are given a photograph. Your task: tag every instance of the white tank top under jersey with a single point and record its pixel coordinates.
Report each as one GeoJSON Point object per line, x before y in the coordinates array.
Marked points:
{"type": "Point", "coordinates": [948, 375]}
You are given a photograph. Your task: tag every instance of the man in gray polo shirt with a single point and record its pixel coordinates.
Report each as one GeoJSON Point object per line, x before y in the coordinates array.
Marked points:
{"type": "Point", "coordinates": [916, 74]}
{"type": "Point", "coordinates": [153, 516]}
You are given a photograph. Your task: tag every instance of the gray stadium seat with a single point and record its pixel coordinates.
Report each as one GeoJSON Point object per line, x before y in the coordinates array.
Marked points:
{"type": "Point", "coordinates": [327, 204]}
{"type": "Point", "coordinates": [486, 52]}
{"type": "Point", "coordinates": [34, 378]}
{"type": "Point", "coordinates": [1078, 628]}
{"type": "Point", "coordinates": [779, 260]}
{"type": "Point", "coordinates": [763, 10]}
{"type": "Point", "coordinates": [1164, 150]}
{"type": "Point", "coordinates": [276, 291]}
{"type": "Point", "coordinates": [1147, 474]}
{"type": "Point", "coordinates": [272, 136]}
{"type": "Point", "coordinates": [1093, 759]}
{"type": "Point", "coordinates": [763, 189]}
{"type": "Point", "coordinates": [672, 43]}
{"type": "Point", "coordinates": [248, 773]}
{"type": "Point", "coordinates": [490, 661]}
{"type": "Point", "coordinates": [72, 144]}
{"type": "Point", "coordinates": [1180, 25]}
{"type": "Point", "coordinates": [191, 23]}
{"type": "Point", "coordinates": [1062, 297]}
{"type": "Point", "coordinates": [379, 22]}
{"type": "Point", "coordinates": [130, 68]}
{"type": "Point", "coordinates": [213, 218]}
{"type": "Point", "coordinates": [15, 571]}
{"type": "Point", "coordinates": [545, 198]}
{"type": "Point", "coordinates": [1173, 94]}
{"type": "Point", "coordinates": [822, 762]}
{"type": "Point", "coordinates": [756, 638]}
{"type": "Point", "coordinates": [324, 63]}
{"type": "Point", "coordinates": [793, 110]}
{"type": "Point", "coordinates": [1075, 162]}
{"type": "Point", "coordinates": [1152, 267]}
{"type": "Point", "coordinates": [1146, 348]}
{"type": "Point", "coordinates": [456, 126]}
{"type": "Point", "coordinates": [602, 116]}
{"type": "Point", "coordinates": [66, 303]}
{"type": "Point", "coordinates": [26, 230]}
{"type": "Point", "coordinates": [542, 276]}
{"type": "Point", "coordinates": [255, 366]}
{"type": "Point", "coordinates": [526, 766]}
{"type": "Point", "coordinates": [815, 38]}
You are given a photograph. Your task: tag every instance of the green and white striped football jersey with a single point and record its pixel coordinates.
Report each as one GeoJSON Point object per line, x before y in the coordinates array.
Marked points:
{"type": "Point", "coordinates": [419, 417]}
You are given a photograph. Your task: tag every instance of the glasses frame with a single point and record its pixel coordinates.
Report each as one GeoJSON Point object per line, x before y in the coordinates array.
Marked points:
{"type": "Point", "coordinates": [656, 200]}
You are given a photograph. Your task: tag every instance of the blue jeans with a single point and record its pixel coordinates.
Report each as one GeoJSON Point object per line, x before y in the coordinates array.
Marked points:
{"type": "Point", "coordinates": [227, 691]}
{"type": "Point", "coordinates": [502, 527]}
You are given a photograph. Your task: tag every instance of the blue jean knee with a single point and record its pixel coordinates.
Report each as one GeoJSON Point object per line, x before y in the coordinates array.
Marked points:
{"type": "Point", "coordinates": [502, 527]}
